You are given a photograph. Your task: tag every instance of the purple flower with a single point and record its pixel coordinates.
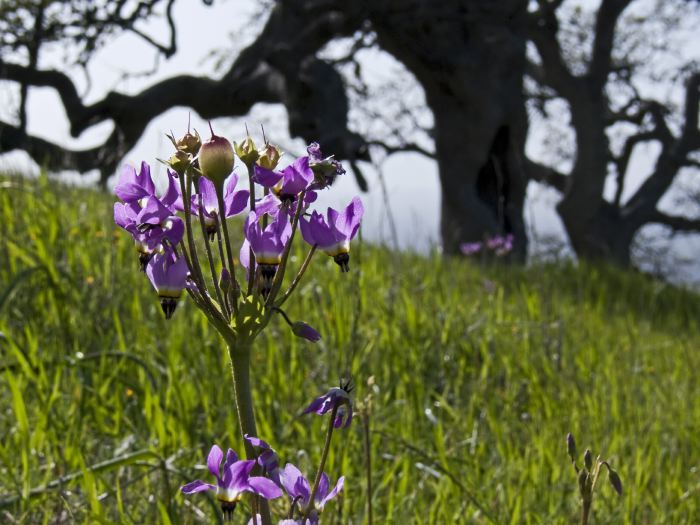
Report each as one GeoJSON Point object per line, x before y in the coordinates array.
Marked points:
{"type": "Point", "coordinates": [234, 482]}
{"type": "Point", "coordinates": [289, 182]}
{"type": "Point", "coordinates": [168, 276]}
{"type": "Point", "coordinates": [334, 233]}
{"type": "Point", "coordinates": [234, 202]}
{"type": "Point", "coordinates": [267, 458]}
{"type": "Point", "coordinates": [299, 489]}
{"type": "Point", "coordinates": [500, 244]}
{"type": "Point", "coordinates": [267, 244]}
{"type": "Point", "coordinates": [336, 398]}
{"type": "Point", "coordinates": [325, 169]}
{"type": "Point", "coordinates": [133, 187]}
{"type": "Point", "coordinates": [470, 248]}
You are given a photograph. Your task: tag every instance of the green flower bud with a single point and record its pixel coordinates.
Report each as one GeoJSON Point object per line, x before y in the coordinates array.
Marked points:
{"type": "Point", "coordinates": [180, 162]}
{"type": "Point", "coordinates": [269, 156]}
{"type": "Point", "coordinates": [246, 151]}
{"type": "Point", "coordinates": [583, 483]}
{"type": "Point", "coordinates": [216, 159]}
{"type": "Point", "coordinates": [189, 143]}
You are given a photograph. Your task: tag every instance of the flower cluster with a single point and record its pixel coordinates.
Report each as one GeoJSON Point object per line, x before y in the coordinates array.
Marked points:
{"type": "Point", "coordinates": [203, 188]}
{"type": "Point", "coordinates": [307, 499]}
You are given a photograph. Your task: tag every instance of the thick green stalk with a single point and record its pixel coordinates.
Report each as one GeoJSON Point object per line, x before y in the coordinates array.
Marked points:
{"type": "Point", "coordinates": [240, 365]}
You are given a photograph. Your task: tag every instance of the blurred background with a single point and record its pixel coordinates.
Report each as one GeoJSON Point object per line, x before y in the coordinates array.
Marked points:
{"type": "Point", "coordinates": [571, 125]}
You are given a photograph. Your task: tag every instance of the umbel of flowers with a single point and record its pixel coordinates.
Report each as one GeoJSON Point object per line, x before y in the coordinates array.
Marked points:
{"type": "Point", "coordinates": [240, 289]}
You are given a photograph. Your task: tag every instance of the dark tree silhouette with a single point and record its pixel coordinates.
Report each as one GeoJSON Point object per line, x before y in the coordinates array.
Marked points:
{"type": "Point", "coordinates": [469, 56]}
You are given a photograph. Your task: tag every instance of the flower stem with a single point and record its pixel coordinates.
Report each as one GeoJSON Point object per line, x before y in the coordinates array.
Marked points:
{"type": "Point", "coordinates": [240, 364]}
{"type": "Point", "coordinates": [322, 464]}
{"type": "Point", "coordinates": [298, 277]}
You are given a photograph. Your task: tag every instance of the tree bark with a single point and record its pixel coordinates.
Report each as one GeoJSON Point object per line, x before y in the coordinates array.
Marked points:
{"type": "Point", "coordinates": [469, 56]}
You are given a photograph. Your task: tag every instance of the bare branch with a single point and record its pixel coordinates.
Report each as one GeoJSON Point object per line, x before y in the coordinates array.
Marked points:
{"type": "Point", "coordinates": [675, 222]}
{"type": "Point", "coordinates": [546, 175]}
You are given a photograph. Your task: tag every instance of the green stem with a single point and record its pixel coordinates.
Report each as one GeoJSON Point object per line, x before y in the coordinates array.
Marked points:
{"type": "Point", "coordinates": [322, 464]}
{"type": "Point", "coordinates": [586, 511]}
{"type": "Point", "coordinates": [240, 365]}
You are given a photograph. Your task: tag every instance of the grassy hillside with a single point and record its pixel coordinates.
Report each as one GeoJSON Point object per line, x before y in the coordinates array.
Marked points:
{"type": "Point", "coordinates": [478, 374]}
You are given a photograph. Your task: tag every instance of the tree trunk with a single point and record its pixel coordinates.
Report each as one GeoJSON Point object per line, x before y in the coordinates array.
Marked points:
{"type": "Point", "coordinates": [469, 57]}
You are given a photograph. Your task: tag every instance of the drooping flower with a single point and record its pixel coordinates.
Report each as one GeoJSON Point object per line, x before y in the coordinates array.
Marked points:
{"type": "Point", "coordinates": [149, 219]}
{"type": "Point", "coordinates": [325, 169]}
{"type": "Point", "coordinates": [305, 331]}
{"type": "Point", "coordinates": [299, 489]}
{"type": "Point", "coordinates": [234, 203]}
{"type": "Point", "coordinates": [289, 182]}
{"type": "Point", "coordinates": [267, 244]}
{"type": "Point", "coordinates": [336, 398]}
{"type": "Point", "coordinates": [233, 480]}
{"type": "Point", "coordinates": [332, 234]}
{"type": "Point", "coordinates": [168, 275]}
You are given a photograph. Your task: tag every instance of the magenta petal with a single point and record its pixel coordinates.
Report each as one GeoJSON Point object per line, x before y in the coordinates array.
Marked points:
{"type": "Point", "coordinates": [264, 487]}
{"type": "Point", "coordinates": [265, 177]}
{"type": "Point", "coordinates": [176, 231]}
{"type": "Point", "coordinates": [294, 483]}
{"type": "Point", "coordinates": [336, 490]}
{"type": "Point", "coordinates": [236, 476]}
{"type": "Point", "coordinates": [236, 202]}
{"type": "Point", "coordinates": [348, 222]}
{"type": "Point", "coordinates": [214, 461]}
{"type": "Point", "coordinates": [208, 192]}
{"type": "Point", "coordinates": [197, 486]}
{"type": "Point", "coordinates": [231, 458]}
{"type": "Point", "coordinates": [323, 486]}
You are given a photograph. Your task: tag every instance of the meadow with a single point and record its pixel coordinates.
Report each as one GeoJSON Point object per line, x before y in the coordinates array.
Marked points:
{"type": "Point", "coordinates": [468, 378]}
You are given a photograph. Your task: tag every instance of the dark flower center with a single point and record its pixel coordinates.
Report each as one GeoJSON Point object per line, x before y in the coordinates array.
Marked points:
{"type": "Point", "coordinates": [168, 304]}
{"type": "Point", "coordinates": [342, 260]}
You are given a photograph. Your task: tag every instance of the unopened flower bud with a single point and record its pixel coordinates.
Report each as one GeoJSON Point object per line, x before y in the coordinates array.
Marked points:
{"type": "Point", "coordinates": [269, 157]}
{"type": "Point", "coordinates": [615, 481]}
{"type": "Point", "coordinates": [571, 446]}
{"type": "Point", "coordinates": [216, 159]}
{"type": "Point", "coordinates": [180, 161]}
{"type": "Point", "coordinates": [301, 329]}
{"type": "Point", "coordinates": [189, 143]}
{"type": "Point", "coordinates": [246, 151]}
{"type": "Point", "coordinates": [225, 281]}
{"type": "Point", "coordinates": [588, 459]}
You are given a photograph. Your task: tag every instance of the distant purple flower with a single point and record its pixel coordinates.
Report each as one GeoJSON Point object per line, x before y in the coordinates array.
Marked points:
{"type": "Point", "coordinates": [235, 481]}
{"type": "Point", "coordinates": [470, 248]}
{"type": "Point", "coordinates": [500, 244]}
{"type": "Point", "coordinates": [267, 458]}
{"type": "Point", "coordinates": [289, 182]}
{"type": "Point", "coordinates": [332, 234]}
{"type": "Point", "coordinates": [337, 397]}
{"type": "Point", "coordinates": [234, 202]}
{"type": "Point", "coordinates": [168, 276]}
{"type": "Point", "coordinates": [299, 489]}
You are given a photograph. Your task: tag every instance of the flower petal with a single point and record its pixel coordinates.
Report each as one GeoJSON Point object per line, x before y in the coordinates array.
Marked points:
{"type": "Point", "coordinates": [214, 461]}
{"type": "Point", "coordinates": [197, 486]}
{"type": "Point", "coordinates": [264, 487]}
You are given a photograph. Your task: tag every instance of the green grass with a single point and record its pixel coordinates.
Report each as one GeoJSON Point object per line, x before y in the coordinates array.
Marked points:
{"type": "Point", "coordinates": [478, 375]}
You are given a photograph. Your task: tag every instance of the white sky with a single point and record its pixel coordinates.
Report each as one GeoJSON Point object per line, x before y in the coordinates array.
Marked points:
{"type": "Point", "coordinates": [412, 180]}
